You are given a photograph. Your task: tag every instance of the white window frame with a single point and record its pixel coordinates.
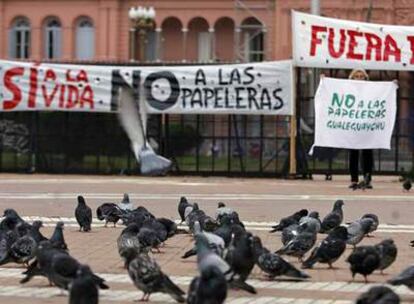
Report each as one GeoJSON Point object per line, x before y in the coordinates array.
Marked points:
{"type": "Point", "coordinates": [85, 25]}
{"type": "Point", "coordinates": [19, 39]}
{"type": "Point", "coordinates": [53, 39]}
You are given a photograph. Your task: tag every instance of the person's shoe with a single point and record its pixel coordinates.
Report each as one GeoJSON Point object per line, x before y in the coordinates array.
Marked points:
{"type": "Point", "coordinates": [353, 186]}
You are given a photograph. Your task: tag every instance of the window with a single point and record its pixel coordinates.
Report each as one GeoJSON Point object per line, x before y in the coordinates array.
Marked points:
{"type": "Point", "coordinates": [151, 46]}
{"type": "Point", "coordinates": [85, 40]}
{"type": "Point", "coordinates": [253, 46]}
{"type": "Point", "coordinates": [19, 39]}
{"type": "Point", "coordinates": [53, 39]}
{"type": "Point", "coordinates": [204, 46]}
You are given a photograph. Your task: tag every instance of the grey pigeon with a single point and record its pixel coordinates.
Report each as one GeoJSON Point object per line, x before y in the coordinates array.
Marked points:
{"type": "Point", "coordinates": [290, 233]}
{"type": "Point", "coordinates": [6, 241]}
{"type": "Point", "coordinates": [329, 250]}
{"type": "Point", "coordinates": [312, 219]}
{"type": "Point", "coordinates": [407, 185]}
{"type": "Point", "coordinates": [406, 277]}
{"type": "Point", "coordinates": [334, 218]}
{"type": "Point", "coordinates": [22, 251]}
{"type": "Point", "coordinates": [83, 289]}
{"type": "Point", "coordinates": [226, 228]}
{"type": "Point", "coordinates": [83, 215]}
{"type": "Point", "coordinates": [274, 265]}
{"type": "Point", "coordinates": [109, 212]}
{"type": "Point", "coordinates": [300, 244]}
{"type": "Point", "coordinates": [240, 254]}
{"type": "Point", "coordinates": [289, 220]}
{"type": "Point", "coordinates": [137, 216]}
{"type": "Point", "coordinates": [388, 253]}
{"type": "Point", "coordinates": [157, 227]}
{"type": "Point", "coordinates": [224, 211]}
{"type": "Point", "coordinates": [64, 270]}
{"type": "Point", "coordinates": [182, 206]}
{"type": "Point", "coordinates": [364, 260]}
{"type": "Point", "coordinates": [148, 239]}
{"type": "Point", "coordinates": [375, 221]}
{"type": "Point", "coordinates": [378, 295]}
{"type": "Point", "coordinates": [216, 243]}
{"type": "Point", "coordinates": [125, 204]}
{"type": "Point", "coordinates": [357, 230]}
{"type": "Point", "coordinates": [127, 240]}
{"type": "Point", "coordinates": [35, 232]}
{"type": "Point", "coordinates": [206, 258]}
{"type": "Point", "coordinates": [148, 277]}
{"type": "Point", "coordinates": [57, 239]}
{"type": "Point", "coordinates": [209, 288]}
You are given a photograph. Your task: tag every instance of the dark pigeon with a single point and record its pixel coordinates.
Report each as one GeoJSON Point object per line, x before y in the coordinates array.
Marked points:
{"type": "Point", "coordinates": [388, 253]}
{"type": "Point", "coordinates": [148, 277]}
{"type": "Point", "coordinates": [6, 241]}
{"type": "Point", "coordinates": [334, 218]}
{"type": "Point", "coordinates": [57, 239]}
{"type": "Point", "coordinates": [109, 212]}
{"type": "Point", "coordinates": [21, 251]}
{"type": "Point", "coordinates": [406, 277]}
{"type": "Point", "coordinates": [129, 240]}
{"type": "Point", "coordinates": [35, 232]}
{"type": "Point", "coordinates": [375, 221]}
{"type": "Point", "coordinates": [226, 230]}
{"type": "Point", "coordinates": [137, 216]}
{"type": "Point", "coordinates": [407, 185]}
{"type": "Point", "coordinates": [182, 205]}
{"type": "Point", "coordinates": [206, 258]}
{"type": "Point", "coordinates": [290, 232]}
{"type": "Point", "coordinates": [83, 215]}
{"type": "Point", "coordinates": [274, 265]}
{"type": "Point", "coordinates": [300, 244]}
{"type": "Point", "coordinates": [157, 227]}
{"type": "Point", "coordinates": [364, 260]}
{"type": "Point", "coordinates": [64, 270]}
{"type": "Point", "coordinates": [170, 226]}
{"type": "Point", "coordinates": [289, 220]}
{"type": "Point", "coordinates": [378, 295]}
{"type": "Point", "coordinates": [83, 289]}
{"type": "Point", "coordinates": [329, 250]}
{"type": "Point", "coordinates": [148, 239]}
{"type": "Point", "coordinates": [209, 288]}
{"type": "Point", "coordinates": [11, 220]}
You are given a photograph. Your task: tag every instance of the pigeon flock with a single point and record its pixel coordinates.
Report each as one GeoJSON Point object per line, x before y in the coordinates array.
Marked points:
{"type": "Point", "coordinates": [226, 252]}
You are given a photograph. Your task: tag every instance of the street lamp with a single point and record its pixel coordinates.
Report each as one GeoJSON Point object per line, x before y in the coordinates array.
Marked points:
{"type": "Point", "coordinates": [143, 20]}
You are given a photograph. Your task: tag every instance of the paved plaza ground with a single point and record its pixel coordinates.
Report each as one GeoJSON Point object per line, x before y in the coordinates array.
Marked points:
{"type": "Point", "coordinates": [260, 203]}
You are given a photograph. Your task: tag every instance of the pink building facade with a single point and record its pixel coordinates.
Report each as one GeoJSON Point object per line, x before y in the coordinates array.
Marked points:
{"type": "Point", "coordinates": [185, 30]}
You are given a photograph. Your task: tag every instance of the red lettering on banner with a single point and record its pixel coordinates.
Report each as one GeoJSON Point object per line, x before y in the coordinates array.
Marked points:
{"type": "Point", "coordinates": [73, 96]}
{"type": "Point", "coordinates": [82, 76]}
{"type": "Point", "coordinates": [50, 75]}
{"type": "Point", "coordinates": [353, 44]}
{"type": "Point", "coordinates": [391, 49]}
{"type": "Point", "coordinates": [49, 98]}
{"type": "Point", "coordinates": [69, 77]}
{"type": "Point", "coordinates": [373, 43]}
{"type": "Point", "coordinates": [87, 97]}
{"type": "Point", "coordinates": [411, 40]}
{"type": "Point", "coordinates": [31, 102]}
{"type": "Point", "coordinates": [315, 40]}
{"type": "Point", "coordinates": [13, 88]}
{"type": "Point", "coordinates": [62, 96]}
{"type": "Point", "coordinates": [331, 42]}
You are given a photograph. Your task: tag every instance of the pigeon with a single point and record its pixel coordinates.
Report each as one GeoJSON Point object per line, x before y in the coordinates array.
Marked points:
{"type": "Point", "coordinates": [182, 205]}
{"type": "Point", "coordinates": [407, 185]}
{"type": "Point", "coordinates": [138, 216]}
{"type": "Point", "coordinates": [64, 270]}
{"type": "Point", "coordinates": [6, 241]}
{"type": "Point", "coordinates": [148, 277]}
{"type": "Point", "coordinates": [109, 212]}
{"type": "Point", "coordinates": [148, 239]}
{"type": "Point", "coordinates": [157, 227]}
{"type": "Point", "coordinates": [223, 210]}
{"type": "Point", "coordinates": [21, 251]}
{"type": "Point", "coordinates": [129, 239]}
{"type": "Point", "coordinates": [290, 233]}
{"type": "Point", "coordinates": [10, 220]}
{"type": "Point", "coordinates": [329, 250]}
{"type": "Point", "coordinates": [83, 215]}
{"type": "Point", "coordinates": [406, 277]}
{"type": "Point", "coordinates": [170, 226]}
{"type": "Point", "coordinates": [388, 253]}
{"type": "Point", "coordinates": [188, 210]}
{"type": "Point", "coordinates": [240, 254]}
{"type": "Point", "coordinates": [312, 219]}
{"type": "Point", "coordinates": [300, 244]}
{"type": "Point", "coordinates": [35, 232]}
{"type": "Point", "coordinates": [226, 229]}
{"type": "Point", "coordinates": [206, 258]}
{"type": "Point", "coordinates": [378, 295]}
{"type": "Point", "coordinates": [364, 260]}
{"type": "Point", "coordinates": [209, 288]}
{"type": "Point", "coordinates": [334, 218]}
{"type": "Point", "coordinates": [83, 289]}
{"type": "Point", "coordinates": [125, 204]}
{"type": "Point", "coordinates": [357, 230]}
{"type": "Point", "coordinates": [57, 239]}
{"type": "Point", "coordinates": [216, 243]}
{"type": "Point", "coordinates": [274, 265]}
{"type": "Point", "coordinates": [289, 220]}
{"type": "Point", "coordinates": [375, 221]}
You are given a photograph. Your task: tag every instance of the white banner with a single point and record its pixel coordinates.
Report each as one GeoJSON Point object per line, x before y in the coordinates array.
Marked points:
{"type": "Point", "coordinates": [354, 114]}
{"type": "Point", "coordinates": [322, 42]}
{"type": "Point", "coordinates": [252, 88]}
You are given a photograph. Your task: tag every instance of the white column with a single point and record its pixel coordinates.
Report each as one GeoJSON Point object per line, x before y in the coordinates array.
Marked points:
{"type": "Point", "coordinates": [185, 33]}
{"type": "Point", "coordinates": [158, 42]}
{"type": "Point", "coordinates": [212, 44]}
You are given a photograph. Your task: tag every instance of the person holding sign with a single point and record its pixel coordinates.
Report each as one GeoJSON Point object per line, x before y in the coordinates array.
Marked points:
{"type": "Point", "coordinates": [367, 154]}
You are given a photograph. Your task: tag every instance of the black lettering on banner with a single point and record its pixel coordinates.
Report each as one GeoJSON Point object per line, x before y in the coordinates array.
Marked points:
{"type": "Point", "coordinates": [196, 99]}
{"type": "Point", "coordinates": [185, 93]}
{"type": "Point", "coordinates": [226, 98]}
{"type": "Point", "coordinates": [174, 86]}
{"type": "Point", "coordinates": [221, 81]}
{"type": "Point", "coordinates": [200, 77]}
{"type": "Point", "coordinates": [217, 97]}
{"type": "Point", "coordinates": [209, 94]}
{"type": "Point", "coordinates": [251, 97]}
{"type": "Point", "coordinates": [235, 77]}
{"type": "Point", "coordinates": [265, 100]}
{"type": "Point", "coordinates": [246, 72]}
{"type": "Point", "coordinates": [239, 98]}
{"type": "Point", "coordinates": [118, 82]}
{"type": "Point", "coordinates": [279, 104]}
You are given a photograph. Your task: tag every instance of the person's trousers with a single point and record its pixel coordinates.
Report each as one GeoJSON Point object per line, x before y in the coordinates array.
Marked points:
{"type": "Point", "coordinates": [367, 163]}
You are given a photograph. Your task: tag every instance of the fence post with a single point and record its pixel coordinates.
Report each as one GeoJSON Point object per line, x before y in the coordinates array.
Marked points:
{"type": "Point", "coordinates": [293, 123]}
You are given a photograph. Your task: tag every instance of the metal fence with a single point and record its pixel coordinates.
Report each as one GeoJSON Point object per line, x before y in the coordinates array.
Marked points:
{"type": "Point", "coordinates": [231, 145]}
